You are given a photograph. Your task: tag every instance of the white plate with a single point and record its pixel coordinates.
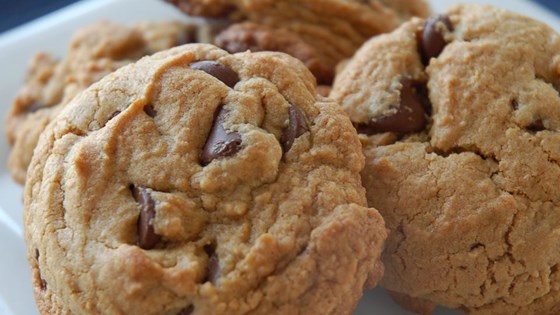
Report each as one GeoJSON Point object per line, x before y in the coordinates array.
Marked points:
{"type": "Point", "coordinates": [52, 33]}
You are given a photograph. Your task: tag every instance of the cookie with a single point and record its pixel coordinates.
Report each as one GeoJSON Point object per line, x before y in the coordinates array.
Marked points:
{"type": "Point", "coordinates": [459, 118]}
{"type": "Point", "coordinates": [94, 51]}
{"type": "Point", "coordinates": [199, 182]}
{"type": "Point", "coordinates": [245, 36]}
{"type": "Point", "coordinates": [327, 30]}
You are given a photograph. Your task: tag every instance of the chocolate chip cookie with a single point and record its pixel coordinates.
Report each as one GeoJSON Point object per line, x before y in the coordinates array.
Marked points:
{"type": "Point", "coordinates": [199, 182]}
{"type": "Point", "coordinates": [320, 32]}
{"type": "Point", "coordinates": [460, 121]}
{"type": "Point", "coordinates": [94, 51]}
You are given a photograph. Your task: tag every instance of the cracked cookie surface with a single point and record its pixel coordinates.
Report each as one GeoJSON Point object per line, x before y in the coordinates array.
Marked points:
{"type": "Point", "coordinates": [333, 28]}
{"type": "Point", "coordinates": [460, 121]}
{"type": "Point", "coordinates": [94, 51]}
{"type": "Point", "coordinates": [199, 182]}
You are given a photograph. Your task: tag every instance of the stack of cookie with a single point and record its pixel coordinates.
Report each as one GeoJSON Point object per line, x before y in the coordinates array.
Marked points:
{"type": "Point", "coordinates": [214, 179]}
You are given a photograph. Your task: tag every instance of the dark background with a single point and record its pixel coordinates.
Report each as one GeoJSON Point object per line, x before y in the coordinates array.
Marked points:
{"type": "Point", "coordinates": [16, 12]}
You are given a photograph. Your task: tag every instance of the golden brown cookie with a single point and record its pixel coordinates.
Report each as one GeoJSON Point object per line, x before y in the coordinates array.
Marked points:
{"type": "Point", "coordinates": [199, 182]}
{"type": "Point", "coordinates": [94, 51]}
{"type": "Point", "coordinates": [460, 118]}
{"type": "Point", "coordinates": [333, 28]}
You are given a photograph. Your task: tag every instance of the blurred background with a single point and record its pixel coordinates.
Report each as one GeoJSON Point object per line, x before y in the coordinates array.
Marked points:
{"type": "Point", "coordinates": [16, 12]}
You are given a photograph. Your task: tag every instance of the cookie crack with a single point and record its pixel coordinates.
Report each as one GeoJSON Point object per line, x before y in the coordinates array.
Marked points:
{"type": "Point", "coordinates": [522, 194]}
{"type": "Point", "coordinates": [460, 149]}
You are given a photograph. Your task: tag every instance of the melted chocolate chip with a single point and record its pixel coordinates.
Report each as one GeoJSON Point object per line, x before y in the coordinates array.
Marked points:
{"type": "Point", "coordinates": [431, 40]}
{"type": "Point", "coordinates": [150, 111]}
{"type": "Point", "coordinates": [296, 127]}
{"type": "Point", "coordinates": [187, 310]}
{"type": "Point", "coordinates": [365, 129]}
{"type": "Point", "coordinates": [147, 238]}
{"type": "Point", "coordinates": [409, 117]}
{"type": "Point", "coordinates": [220, 142]}
{"type": "Point", "coordinates": [213, 263]}
{"type": "Point", "coordinates": [536, 126]}
{"type": "Point", "coordinates": [217, 70]}
{"type": "Point", "coordinates": [514, 104]}
{"type": "Point", "coordinates": [423, 95]}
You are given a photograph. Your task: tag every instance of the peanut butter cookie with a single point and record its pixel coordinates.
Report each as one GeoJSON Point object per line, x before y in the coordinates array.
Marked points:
{"type": "Point", "coordinates": [199, 182]}
{"type": "Point", "coordinates": [460, 121]}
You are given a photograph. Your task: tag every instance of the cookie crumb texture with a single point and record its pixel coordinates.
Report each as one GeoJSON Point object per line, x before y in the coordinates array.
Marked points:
{"type": "Point", "coordinates": [199, 182]}
{"type": "Point", "coordinates": [472, 199]}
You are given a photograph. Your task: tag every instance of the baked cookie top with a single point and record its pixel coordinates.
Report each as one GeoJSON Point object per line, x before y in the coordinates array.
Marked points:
{"type": "Point", "coordinates": [94, 51]}
{"type": "Point", "coordinates": [199, 182]}
{"type": "Point", "coordinates": [334, 28]}
{"type": "Point", "coordinates": [459, 118]}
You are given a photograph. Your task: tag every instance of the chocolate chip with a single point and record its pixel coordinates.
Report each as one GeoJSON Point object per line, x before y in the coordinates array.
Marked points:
{"type": "Point", "coordinates": [147, 238]}
{"type": "Point", "coordinates": [431, 40]}
{"type": "Point", "coordinates": [217, 70]}
{"type": "Point", "coordinates": [187, 310]}
{"type": "Point", "coordinates": [409, 117]}
{"type": "Point", "coordinates": [37, 254]}
{"type": "Point", "coordinates": [536, 126]}
{"type": "Point", "coordinates": [150, 111]}
{"type": "Point", "coordinates": [423, 96]}
{"type": "Point", "coordinates": [365, 129]}
{"type": "Point", "coordinates": [220, 143]}
{"type": "Point", "coordinates": [296, 127]}
{"type": "Point", "coordinates": [213, 263]}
